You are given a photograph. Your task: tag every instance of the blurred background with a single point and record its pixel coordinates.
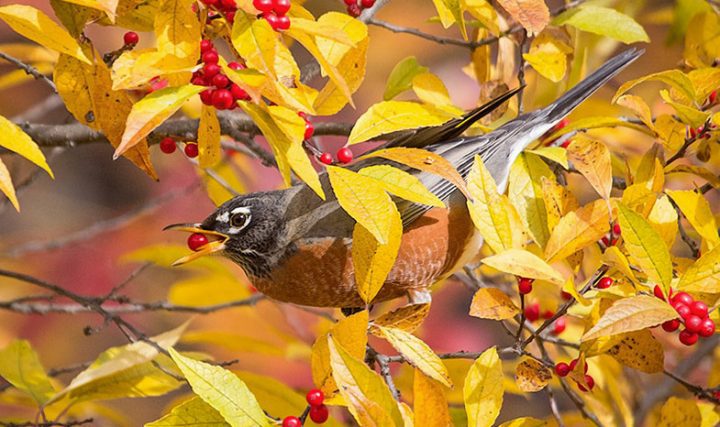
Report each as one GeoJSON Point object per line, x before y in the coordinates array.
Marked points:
{"type": "Point", "coordinates": [74, 231]}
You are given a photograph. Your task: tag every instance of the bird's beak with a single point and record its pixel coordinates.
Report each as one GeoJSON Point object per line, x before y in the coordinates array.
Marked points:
{"type": "Point", "coordinates": [211, 247]}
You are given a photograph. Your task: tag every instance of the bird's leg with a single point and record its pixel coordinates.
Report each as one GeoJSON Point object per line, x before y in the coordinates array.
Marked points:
{"type": "Point", "coordinates": [419, 296]}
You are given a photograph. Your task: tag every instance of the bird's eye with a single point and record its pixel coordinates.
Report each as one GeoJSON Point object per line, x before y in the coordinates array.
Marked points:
{"type": "Point", "coordinates": [240, 219]}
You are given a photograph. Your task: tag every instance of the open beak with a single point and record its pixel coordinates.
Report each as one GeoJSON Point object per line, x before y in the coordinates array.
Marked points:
{"type": "Point", "coordinates": [211, 247]}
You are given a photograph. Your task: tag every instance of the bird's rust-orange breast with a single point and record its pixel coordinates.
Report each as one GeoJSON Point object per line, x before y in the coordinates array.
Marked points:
{"type": "Point", "coordinates": [320, 271]}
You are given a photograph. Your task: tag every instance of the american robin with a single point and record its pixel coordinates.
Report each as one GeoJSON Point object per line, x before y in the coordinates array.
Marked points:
{"type": "Point", "coordinates": [296, 247]}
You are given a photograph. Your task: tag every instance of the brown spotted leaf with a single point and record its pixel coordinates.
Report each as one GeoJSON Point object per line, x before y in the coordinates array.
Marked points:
{"type": "Point", "coordinates": [533, 15]}
{"type": "Point", "coordinates": [407, 317]}
{"type": "Point", "coordinates": [639, 350]}
{"type": "Point", "coordinates": [531, 375]}
{"type": "Point", "coordinates": [492, 303]}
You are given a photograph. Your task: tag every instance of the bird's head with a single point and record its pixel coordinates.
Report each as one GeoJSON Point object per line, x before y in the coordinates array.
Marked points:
{"type": "Point", "coordinates": [245, 229]}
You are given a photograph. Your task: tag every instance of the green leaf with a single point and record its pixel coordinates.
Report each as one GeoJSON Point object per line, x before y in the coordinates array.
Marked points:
{"type": "Point", "coordinates": [401, 77]}
{"type": "Point", "coordinates": [631, 314]}
{"type": "Point", "coordinates": [222, 390]}
{"type": "Point", "coordinates": [21, 367]}
{"type": "Point", "coordinates": [191, 413]}
{"type": "Point", "coordinates": [391, 116]}
{"type": "Point", "coordinates": [646, 247]}
{"type": "Point", "coordinates": [605, 22]}
{"type": "Point", "coordinates": [483, 390]}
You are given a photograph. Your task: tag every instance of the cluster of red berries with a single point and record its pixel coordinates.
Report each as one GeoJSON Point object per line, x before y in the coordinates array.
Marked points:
{"type": "Point", "coordinates": [701, 131]}
{"type": "Point", "coordinates": [355, 7]}
{"type": "Point", "coordinates": [274, 12]}
{"type": "Point", "coordinates": [611, 238]}
{"type": "Point", "coordinates": [168, 146]}
{"type": "Point", "coordinates": [318, 411]}
{"type": "Point", "coordinates": [196, 241]}
{"type": "Point", "coordinates": [225, 7]}
{"type": "Point", "coordinates": [309, 127]}
{"type": "Point", "coordinates": [562, 369]}
{"type": "Point", "coordinates": [131, 38]}
{"type": "Point", "coordinates": [344, 156]}
{"type": "Point", "coordinates": [221, 93]}
{"type": "Point", "coordinates": [532, 313]}
{"type": "Point", "coordinates": [693, 315]}
{"type": "Point", "coordinates": [525, 285]}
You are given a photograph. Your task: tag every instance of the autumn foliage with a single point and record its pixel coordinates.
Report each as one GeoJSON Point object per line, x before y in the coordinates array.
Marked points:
{"type": "Point", "coordinates": [599, 268]}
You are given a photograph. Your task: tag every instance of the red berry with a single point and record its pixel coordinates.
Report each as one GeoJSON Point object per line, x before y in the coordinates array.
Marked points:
{"type": "Point", "coordinates": [707, 329]}
{"type": "Point", "coordinates": [156, 84]}
{"type": "Point", "coordinates": [683, 297]}
{"type": "Point", "coordinates": [354, 10]}
{"type": "Point", "coordinates": [525, 285]}
{"type": "Point", "coordinates": [367, 3]}
{"type": "Point", "coordinates": [699, 309]}
{"type": "Point", "coordinates": [671, 325]}
{"type": "Point", "coordinates": [712, 97]}
{"type": "Point", "coordinates": [590, 383]}
{"type": "Point", "coordinates": [198, 81]}
{"type": "Point", "coordinates": [319, 414]}
{"type": "Point", "coordinates": [315, 397]}
{"type": "Point", "coordinates": [548, 314]}
{"type": "Point", "coordinates": [682, 309]}
{"type": "Point", "coordinates": [566, 143]}
{"type": "Point", "coordinates": [167, 145]}
{"type": "Point", "coordinates": [562, 369]}
{"type": "Point", "coordinates": [222, 99]}
{"type": "Point", "coordinates": [281, 7]}
{"type": "Point", "coordinates": [349, 2]}
{"type": "Point", "coordinates": [206, 45]}
{"type": "Point", "coordinates": [210, 57]}
{"type": "Point", "coordinates": [688, 338]}
{"type": "Point", "coordinates": [131, 38]}
{"type": "Point", "coordinates": [191, 150]}
{"type": "Point", "coordinates": [230, 16]}
{"type": "Point", "coordinates": [604, 283]}
{"type": "Point", "coordinates": [693, 132]}
{"type": "Point", "coordinates": [220, 81]}
{"type": "Point", "coordinates": [693, 323]}
{"type": "Point", "coordinates": [344, 155]}
{"type": "Point", "coordinates": [283, 23]}
{"type": "Point", "coordinates": [263, 5]}
{"type": "Point", "coordinates": [272, 19]}
{"type": "Point", "coordinates": [560, 325]}
{"type": "Point", "coordinates": [239, 93]}
{"type": "Point", "coordinates": [236, 66]}
{"type": "Point", "coordinates": [606, 241]}
{"type": "Point", "coordinates": [657, 291]}
{"type": "Point", "coordinates": [196, 240]}
{"type": "Point", "coordinates": [206, 96]}
{"type": "Point", "coordinates": [561, 124]}
{"type": "Point", "coordinates": [532, 312]}
{"type": "Point", "coordinates": [211, 70]}
{"type": "Point", "coordinates": [310, 130]}
{"type": "Point", "coordinates": [573, 364]}
{"type": "Point", "coordinates": [292, 421]}
{"type": "Point", "coordinates": [616, 229]}
{"type": "Point", "coordinates": [326, 158]}
{"type": "Point", "coordinates": [228, 4]}
{"type": "Point", "coordinates": [566, 295]}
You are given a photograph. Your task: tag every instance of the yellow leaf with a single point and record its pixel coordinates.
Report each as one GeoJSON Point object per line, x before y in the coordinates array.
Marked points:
{"type": "Point", "coordinates": [364, 200]}
{"type": "Point", "coordinates": [222, 390]}
{"type": "Point", "coordinates": [592, 158]}
{"type": "Point", "coordinates": [106, 6]}
{"type": "Point", "coordinates": [455, 9]}
{"type": "Point", "coordinates": [351, 334]}
{"type": "Point", "coordinates": [38, 27]}
{"type": "Point", "coordinates": [696, 209]}
{"type": "Point", "coordinates": [177, 30]}
{"type": "Point", "coordinates": [372, 260]}
{"type": "Point", "coordinates": [14, 139]}
{"type": "Point", "coordinates": [208, 137]}
{"type": "Point", "coordinates": [417, 353]}
{"type": "Point", "coordinates": [533, 15]}
{"type": "Point", "coordinates": [603, 21]}
{"type": "Point", "coordinates": [369, 399]}
{"type": "Point", "coordinates": [687, 114]}
{"type": "Point", "coordinates": [6, 186]}
{"type": "Point", "coordinates": [679, 412]}
{"type": "Point", "coordinates": [520, 262]}
{"type": "Point", "coordinates": [21, 367]}
{"type": "Point", "coordinates": [556, 154]}
{"type": "Point", "coordinates": [639, 107]}
{"type": "Point", "coordinates": [595, 123]}
{"type": "Point", "coordinates": [524, 422]}
{"type": "Point", "coordinates": [151, 111]}
{"type": "Point", "coordinates": [401, 77]}
{"type": "Point", "coordinates": [136, 16]}
{"type": "Point", "coordinates": [525, 190]}
{"type": "Point", "coordinates": [483, 390]}
{"type": "Point", "coordinates": [531, 375]}
{"type": "Point", "coordinates": [194, 291]}
{"type": "Point", "coordinates": [425, 161]}
{"type": "Point", "coordinates": [191, 412]}
{"type": "Point", "coordinates": [700, 171]}
{"type": "Point", "coordinates": [391, 116]}
{"type": "Point", "coordinates": [646, 247]}
{"type": "Point", "coordinates": [322, 28]}
{"type": "Point", "coordinates": [430, 89]}
{"type": "Point", "coordinates": [402, 184]}
{"type": "Point", "coordinates": [548, 54]}
{"type": "Point", "coordinates": [492, 303]}
{"type": "Point", "coordinates": [408, 317]}
{"type": "Point", "coordinates": [664, 219]}
{"type": "Point", "coordinates": [640, 350]}
{"type": "Point", "coordinates": [249, 80]}
{"type": "Point", "coordinates": [135, 68]}
{"type": "Point", "coordinates": [430, 403]}
{"type": "Point", "coordinates": [558, 202]}
{"type": "Point", "coordinates": [487, 210]}
{"type": "Point", "coordinates": [577, 230]}
{"type": "Point", "coordinates": [701, 40]}
{"type": "Point", "coordinates": [703, 275]}
{"type": "Point", "coordinates": [631, 314]}
{"type": "Point", "coordinates": [671, 133]}
{"type": "Point", "coordinates": [613, 257]}
{"type": "Point", "coordinates": [675, 78]}
{"type": "Point", "coordinates": [284, 131]}
{"type": "Point", "coordinates": [446, 16]}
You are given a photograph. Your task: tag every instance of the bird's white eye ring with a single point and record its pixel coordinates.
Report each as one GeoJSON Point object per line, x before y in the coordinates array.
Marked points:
{"type": "Point", "coordinates": [240, 219]}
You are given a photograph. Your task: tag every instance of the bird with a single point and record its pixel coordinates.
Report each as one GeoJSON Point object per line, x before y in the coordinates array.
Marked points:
{"type": "Point", "coordinates": [296, 248]}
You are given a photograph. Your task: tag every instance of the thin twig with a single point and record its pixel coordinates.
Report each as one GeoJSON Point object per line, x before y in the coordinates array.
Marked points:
{"type": "Point", "coordinates": [30, 70]}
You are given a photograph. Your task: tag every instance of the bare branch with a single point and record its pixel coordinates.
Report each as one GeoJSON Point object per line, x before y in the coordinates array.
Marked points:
{"type": "Point", "coordinates": [30, 70]}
